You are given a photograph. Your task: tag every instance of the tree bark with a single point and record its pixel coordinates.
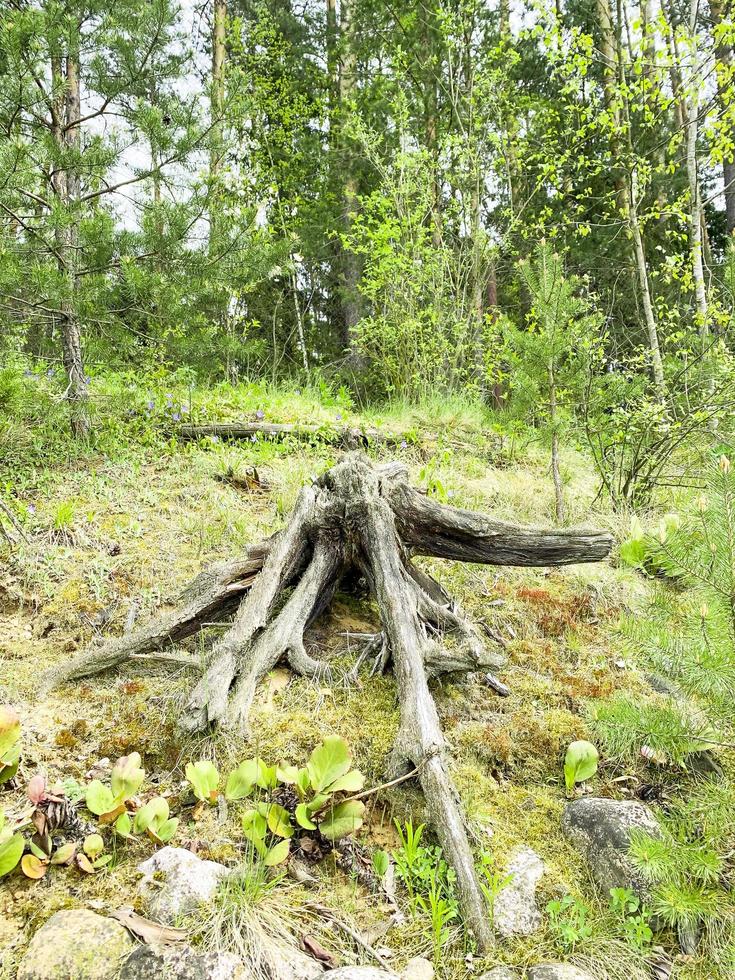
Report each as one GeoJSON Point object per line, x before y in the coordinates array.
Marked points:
{"type": "Point", "coordinates": [723, 56]}
{"type": "Point", "coordinates": [66, 112]}
{"type": "Point", "coordinates": [217, 103]}
{"type": "Point", "coordinates": [365, 519]}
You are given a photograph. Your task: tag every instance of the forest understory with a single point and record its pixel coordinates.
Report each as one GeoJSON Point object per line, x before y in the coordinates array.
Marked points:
{"type": "Point", "coordinates": [110, 539]}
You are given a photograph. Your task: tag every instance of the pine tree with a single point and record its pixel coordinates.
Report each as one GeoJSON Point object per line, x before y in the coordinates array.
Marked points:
{"type": "Point", "coordinates": [687, 636]}
{"type": "Point", "coordinates": [549, 357]}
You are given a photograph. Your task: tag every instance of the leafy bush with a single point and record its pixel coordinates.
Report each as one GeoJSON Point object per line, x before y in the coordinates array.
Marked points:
{"type": "Point", "coordinates": [312, 795]}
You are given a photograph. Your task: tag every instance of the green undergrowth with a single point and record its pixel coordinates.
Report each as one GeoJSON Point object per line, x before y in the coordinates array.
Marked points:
{"type": "Point", "coordinates": [120, 527]}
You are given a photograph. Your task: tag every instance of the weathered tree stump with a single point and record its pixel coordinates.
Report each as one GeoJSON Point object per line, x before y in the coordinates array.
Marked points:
{"type": "Point", "coordinates": [366, 519]}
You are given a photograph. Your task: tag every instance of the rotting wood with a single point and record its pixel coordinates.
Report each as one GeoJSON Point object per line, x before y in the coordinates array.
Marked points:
{"type": "Point", "coordinates": [361, 518]}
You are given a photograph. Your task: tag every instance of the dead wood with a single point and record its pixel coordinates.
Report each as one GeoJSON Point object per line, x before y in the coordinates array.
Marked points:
{"type": "Point", "coordinates": [358, 519]}
{"type": "Point", "coordinates": [349, 437]}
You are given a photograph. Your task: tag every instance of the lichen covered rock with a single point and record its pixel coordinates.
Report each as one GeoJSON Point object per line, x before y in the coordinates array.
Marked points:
{"type": "Point", "coordinates": [177, 881]}
{"type": "Point", "coordinates": [601, 830]}
{"type": "Point", "coordinates": [181, 963]}
{"type": "Point", "coordinates": [76, 944]}
{"type": "Point", "coordinates": [516, 912]}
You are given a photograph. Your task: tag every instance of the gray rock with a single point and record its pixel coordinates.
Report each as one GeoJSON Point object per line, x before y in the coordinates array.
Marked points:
{"type": "Point", "coordinates": [182, 882]}
{"type": "Point", "coordinates": [181, 963]}
{"type": "Point", "coordinates": [501, 973]}
{"type": "Point", "coordinates": [557, 971]}
{"type": "Point", "coordinates": [601, 830]}
{"type": "Point", "coordinates": [76, 944]}
{"type": "Point", "coordinates": [357, 973]}
{"type": "Point", "coordinates": [418, 969]}
{"type": "Point", "coordinates": [516, 912]}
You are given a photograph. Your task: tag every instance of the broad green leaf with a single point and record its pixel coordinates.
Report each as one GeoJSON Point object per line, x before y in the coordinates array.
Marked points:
{"type": "Point", "coordinates": [633, 552]}
{"type": "Point", "coordinates": [204, 779]}
{"type": "Point", "coordinates": [351, 782]}
{"type": "Point", "coordinates": [254, 828]}
{"type": "Point", "coordinates": [102, 861]}
{"type": "Point", "coordinates": [267, 778]}
{"type": "Point", "coordinates": [64, 854]}
{"type": "Point", "coordinates": [302, 781]}
{"type": "Point", "coordinates": [152, 815]}
{"type": "Point", "coordinates": [38, 851]}
{"type": "Point", "coordinates": [127, 777]}
{"type": "Point", "coordinates": [9, 730]}
{"type": "Point", "coordinates": [342, 820]}
{"type": "Point", "coordinates": [381, 863]}
{"type": "Point", "coordinates": [123, 825]}
{"type": "Point", "coordinates": [93, 845]}
{"type": "Point", "coordinates": [279, 820]}
{"type": "Point", "coordinates": [317, 803]}
{"type": "Point", "coordinates": [580, 763]}
{"type": "Point", "coordinates": [302, 817]}
{"type": "Point", "coordinates": [277, 854]}
{"type": "Point", "coordinates": [9, 763]}
{"type": "Point", "coordinates": [167, 829]}
{"type": "Point", "coordinates": [99, 798]}
{"type": "Point", "coordinates": [286, 774]}
{"type": "Point", "coordinates": [241, 781]}
{"type": "Point", "coordinates": [11, 851]}
{"type": "Point", "coordinates": [329, 760]}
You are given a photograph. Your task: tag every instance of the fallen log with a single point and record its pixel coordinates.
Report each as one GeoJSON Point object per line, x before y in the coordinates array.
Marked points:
{"type": "Point", "coordinates": [358, 520]}
{"type": "Point", "coordinates": [348, 437]}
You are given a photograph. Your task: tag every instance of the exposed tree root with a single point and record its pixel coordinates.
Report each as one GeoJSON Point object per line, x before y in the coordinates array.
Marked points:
{"type": "Point", "coordinates": [366, 520]}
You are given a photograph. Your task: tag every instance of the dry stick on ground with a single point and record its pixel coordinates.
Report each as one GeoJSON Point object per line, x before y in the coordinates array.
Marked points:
{"type": "Point", "coordinates": [358, 517]}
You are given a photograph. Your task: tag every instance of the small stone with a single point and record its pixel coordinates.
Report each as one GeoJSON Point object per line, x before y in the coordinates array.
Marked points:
{"type": "Point", "coordinates": [76, 944]}
{"type": "Point", "coordinates": [601, 830]}
{"type": "Point", "coordinates": [356, 973]}
{"type": "Point", "coordinates": [418, 969]}
{"type": "Point", "coordinates": [516, 912]}
{"type": "Point", "coordinates": [557, 971]}
{"type": "Point", "coordinates": [501, 973]}
{"type": "Point", "coordinates": [187, 881]}
{"type": "Point", "coordinates": [181, 963]}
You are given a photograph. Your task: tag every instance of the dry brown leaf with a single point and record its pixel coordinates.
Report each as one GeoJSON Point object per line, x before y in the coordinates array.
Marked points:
{"type": "Point", "coordinates": [316, 950]}
{"type": "Point", "coordinates": [146, 930]}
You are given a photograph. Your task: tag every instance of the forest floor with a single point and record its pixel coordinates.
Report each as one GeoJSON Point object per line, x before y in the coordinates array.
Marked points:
{"type": "Point", "coordinates": [126, 526]}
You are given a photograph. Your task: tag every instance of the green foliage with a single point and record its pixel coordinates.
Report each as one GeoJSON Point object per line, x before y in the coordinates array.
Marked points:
{"type": "Point", "coordinates": [153, 819]}
{"type": "Point", "coordinates": [204, 780]}
{"type": "Point", "coordinates": [569, 922]}
{"type": "Point", "coordinates": [633, 917]}
{"type": "Point", "coordinates": [429, 882]}
{"type": "Point", "coordinates": [9, 743]}
{"type": "Point", "coordinates": [12, 846]}
{"type": "Point", "coordinates": [580, 763]}
{"type": "Point", "coordinates": [268, 825]}
{"type": "Point", "coordinates": [492, 881]}
{"type": "Point", "coordinates": [687, 635]}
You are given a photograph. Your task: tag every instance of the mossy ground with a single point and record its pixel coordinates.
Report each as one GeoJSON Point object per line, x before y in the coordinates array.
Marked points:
{"type": "Point", "coordinates": [136, 517]}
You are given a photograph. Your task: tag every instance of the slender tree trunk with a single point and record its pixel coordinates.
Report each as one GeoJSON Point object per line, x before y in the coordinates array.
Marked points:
{"type": "Point", "coordinates": [555, 470]}
{"type": "Point", "coordinates": [67, 186]}
{"type": "Point", "coordinates": [431, 73]}
{"type": "Point", "coordinates": [695, 201]}
{"type": "Point", "coordinates": [723, 55]}
{"type": "Point", "coordinates": [217, 104]}
{"type": "Point", "coordinates": [627, 184]}
{"type": "Point", "coordinates": [351, 300]}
